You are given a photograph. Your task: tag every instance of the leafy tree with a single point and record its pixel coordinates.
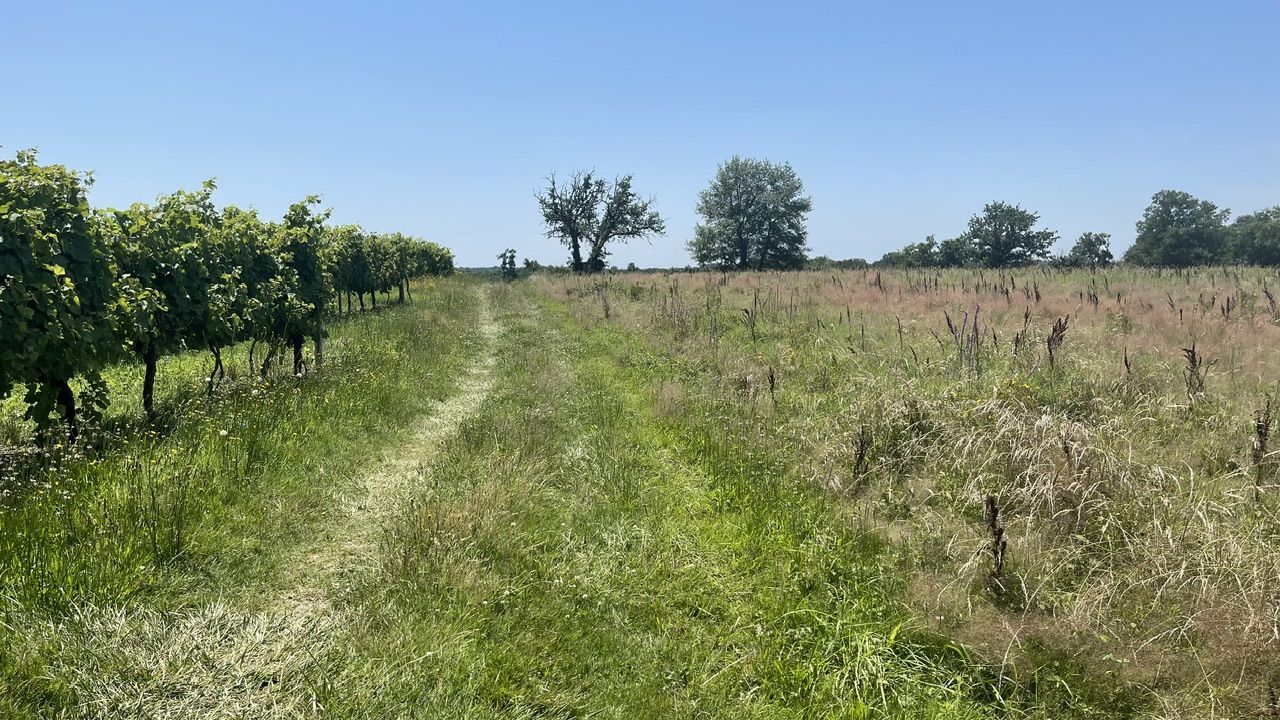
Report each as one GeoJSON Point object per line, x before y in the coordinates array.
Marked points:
{"type": "Point", "coordinates": [402, 264]}
{"type": "Point", "coordinates": [368, 263]}
{"type": "Point", "coordinates": [1004, 235]}
{"type": "Point", "coordinates": [893, 258]}
{"type": "Point", "coordinates": [301, 237]}
{"type": "Point", "coordinates": [271, 293]}
{"type": "Point", "coordinates": [954, 252]}
{"type": "Point", "coordinates": [55, 289]}
{"type": "Point", "coordinates": [228, 259]}
{"type": "Point", "coordinates": [272, 284]}
{"type": "Point", "coordinates": [822, 262]}
{"type": "Point", "coordinates": [1254, 239]}
{"type": "Point", "coordinates": [1092, 250]}
{"type": "Point", "coordinates": [508, 263]}
{"type": "Point", "coordinates": [921, 254]}
{"type": "Point", "coordinates": [162, 291]}
{"type": "Point", "coordinates": [754, 217]}
{"type": "Point", "coordinates": [351, 271]}
{"type": "Point", "coordinates": [957, 252]}
{"type": "Point", "coordinates": [1179, 230]}
{"type": "Point", "coordinates": [589, 213]}
{"type": "Point", "coordinates": [434, 259]}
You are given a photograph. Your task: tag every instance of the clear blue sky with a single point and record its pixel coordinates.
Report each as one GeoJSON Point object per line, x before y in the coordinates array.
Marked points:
{"type": "Point", "coordinates": [442, 119]}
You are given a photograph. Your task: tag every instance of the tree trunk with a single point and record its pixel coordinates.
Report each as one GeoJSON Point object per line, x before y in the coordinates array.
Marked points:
{"type": "Point", "coordinates": [360, 295]}
{"type": "Point", "coordinates": [406, 291]}
{"type": "Point", "coordinates": [67, 401]}
{"type": "Point", "coordinates": [319, 341]}
{"type": "Point", "coordinates": [297, 355]}
{"type": "Point", "coordinates": [575, 252]}
{"type": "Point", "coordinates": [217, 371]}
{"type": "Point", "coordinates": [595, 261]}
{"type": "Point", "coordinates": [400, 287]}
{"type": "Point", "coordinates": [150, 357]}
{"type": "Point", "coordinates": [266, 362]}
{"type": "Point", "coordinates": [374, 297]}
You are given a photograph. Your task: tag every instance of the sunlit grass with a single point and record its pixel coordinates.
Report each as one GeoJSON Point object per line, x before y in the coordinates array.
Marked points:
{"type": "Point", "coordinates": [206, 501]}
{"type": "Point", "coordinates": [1136, 549]}
{"type": "Point", "coordinates": [688, 509]}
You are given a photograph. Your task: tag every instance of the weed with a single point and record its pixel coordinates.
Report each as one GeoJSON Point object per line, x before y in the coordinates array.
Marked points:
{"type": "Point", "coordinates": [996, 545]}
{"type": "Point", "coordinates": [1196, 373]}
{"type": "Point", "coordinates": [1057, 336]}
{"type": "Point", "coordinates": [1261, 434]}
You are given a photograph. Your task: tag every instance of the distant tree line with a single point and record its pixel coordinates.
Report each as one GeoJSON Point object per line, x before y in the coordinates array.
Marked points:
{"type": "Point", "coordinates": [753, 218]}
{"type": "Point", "coordinates": [1176, 230]}
{"type": "Point", "coordinates": [82, 287]}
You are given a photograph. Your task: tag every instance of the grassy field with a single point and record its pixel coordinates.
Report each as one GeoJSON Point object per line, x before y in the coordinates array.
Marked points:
{"type": "Point", "coordinates": [694, 495]}
{"type": "Point", "coordinates": [1133, 482]}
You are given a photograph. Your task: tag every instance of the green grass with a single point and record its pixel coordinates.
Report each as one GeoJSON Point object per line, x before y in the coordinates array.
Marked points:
{"type": "Point", "coordinates": [172, 518]}
{"type": "Point", "coordinates": [1136, 549]}
{"type": "Point", "coordinates": [626, 523]}
{"type": "Point", "coordinates": [575, 553]}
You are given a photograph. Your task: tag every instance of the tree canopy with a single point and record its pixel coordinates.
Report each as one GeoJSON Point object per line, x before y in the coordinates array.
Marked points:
{"type": "Point", "coordinates": [753, 217]}
{"type": "Point", "coordinates": [80, 287]}
{"type": "Point", "coordinates": [588, 214]}
{"type": "Point", "coordinates": [1091, 250]}
{"type": "Point", "coordinates": [1254, 239]}
{"type": "Point", "coordinates": [55, 287]}
{"type": "Point", "coordinates": [163, 265]}
{"type": "Point", "coordinates": [1004, 235]}
{"type": "Point", "coordinates": [1179, 230]}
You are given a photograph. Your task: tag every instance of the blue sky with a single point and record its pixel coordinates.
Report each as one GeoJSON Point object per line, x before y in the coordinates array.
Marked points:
{"type": "Point", "coordinates": [443, 119]}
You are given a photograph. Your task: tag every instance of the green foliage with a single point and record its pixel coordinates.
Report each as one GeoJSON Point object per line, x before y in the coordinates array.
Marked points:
{"type": "Point", "coordinates": [753, 217]}
{"type": "Point", "coordinates": [207, 503]}
{"type": "Point", "coordinates": [822, 262]}
{"type": "Point", "coordinates": [921, 254]}
{"type": "Point", "coordinates": [368, 263]}
{"type": "Point", "coordinates": [507, 258]}
{"type": "Point", "coordinates": [301, 241]}
{"type": "Point", "coordinates": [1091, 250]}
{"type": "Point", "coordinates": [950, 253]}
{"type": "Point", "coordinates": [55, 286]}
{"type": "Point", "coordinates": [163, 261]}
{"type": "Point", "coordinates": [1179, 230]}
{"type": "Point", "coordinates": [171, 290]}
{"type": "Point", "coordinates": [1254, 239]}
{"type": "Point", "coordinates": [1004, 235]}
{"type": "Point", "coordinates": [352, 272]}
{"type": "Point", "coordinates": [79, 288]}
{"type": "Point", "coordinates": [957, 252]}
{"type": "Point", "coordinates": [590, 213]}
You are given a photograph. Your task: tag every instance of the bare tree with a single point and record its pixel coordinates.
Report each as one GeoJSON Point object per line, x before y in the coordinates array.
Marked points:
{"type": "Point", "coordinates": [588, 213]}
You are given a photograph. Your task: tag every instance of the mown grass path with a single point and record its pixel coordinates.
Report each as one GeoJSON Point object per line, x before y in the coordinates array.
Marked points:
{"type": "Point", "coordinates": [256, 654]}
{"type": "Point", "coordinates": [585, 528]}
{"type": "Point", "coordinates": [590, 546]}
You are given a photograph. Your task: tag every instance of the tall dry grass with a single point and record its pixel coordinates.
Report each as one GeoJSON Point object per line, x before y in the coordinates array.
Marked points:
{"type": "Point", "coordinates": [1117, 419]}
